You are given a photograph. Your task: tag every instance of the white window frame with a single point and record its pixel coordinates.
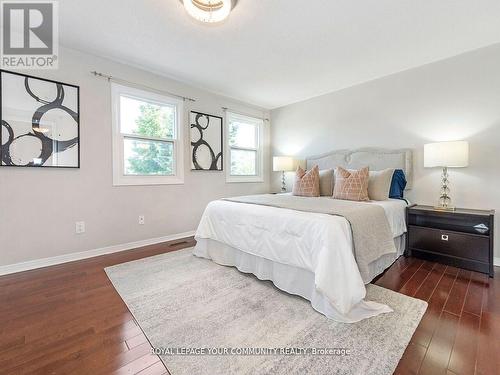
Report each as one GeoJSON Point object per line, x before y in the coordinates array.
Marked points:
{"type": "Point", "coordinates": [119, 177]}
{"type": "Point", "coordinates": [259, 166]}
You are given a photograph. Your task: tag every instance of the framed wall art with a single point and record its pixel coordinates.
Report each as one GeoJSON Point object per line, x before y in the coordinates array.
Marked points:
{"type": "Point", "coordinates": [40, 122]}
{"type": "Point", "coordinates": [206, 142]}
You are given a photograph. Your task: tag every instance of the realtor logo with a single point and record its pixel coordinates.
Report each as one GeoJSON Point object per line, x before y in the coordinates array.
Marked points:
{"type": "Point", "coordinates": [29, 34]}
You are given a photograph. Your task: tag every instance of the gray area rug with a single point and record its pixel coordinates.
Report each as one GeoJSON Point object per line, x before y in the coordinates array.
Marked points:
{"type": "Point", "coordinates": [181, 301]}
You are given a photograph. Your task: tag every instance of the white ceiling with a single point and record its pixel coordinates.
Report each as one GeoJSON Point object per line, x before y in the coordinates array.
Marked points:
{"type": "Point", "coordinates": [275, 52]}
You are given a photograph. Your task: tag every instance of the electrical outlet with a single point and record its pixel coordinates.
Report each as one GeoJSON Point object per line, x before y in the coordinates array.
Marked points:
{"type": "Point", "coordinates": [142, 220]}
{"type": "Point", "coordinates": [80, 227]}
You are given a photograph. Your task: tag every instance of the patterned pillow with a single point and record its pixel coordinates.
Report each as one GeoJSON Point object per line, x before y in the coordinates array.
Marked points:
{"type": "Point", "coordinates": [351, 185]}
{"type": "Point", "coordinates": [306, 184]}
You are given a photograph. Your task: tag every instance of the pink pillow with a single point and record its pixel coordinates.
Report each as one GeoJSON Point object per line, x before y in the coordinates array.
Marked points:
{"type": "Point", "coordinates": [351, 185]}
{"type": "Point", "coordinates": [306, 184]}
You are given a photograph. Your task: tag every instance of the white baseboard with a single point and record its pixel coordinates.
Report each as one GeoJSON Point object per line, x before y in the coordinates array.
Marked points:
{"type": "Point", "coordinates": [45, 262]}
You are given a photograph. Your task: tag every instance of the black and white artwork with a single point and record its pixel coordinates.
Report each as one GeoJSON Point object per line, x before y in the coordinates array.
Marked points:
{"type": "Point", "coordinates": [206, 142]}
{"type": "Point", "coordinates": [40, 122]}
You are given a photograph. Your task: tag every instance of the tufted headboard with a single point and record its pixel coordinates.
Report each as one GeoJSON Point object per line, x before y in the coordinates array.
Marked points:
{"type": "Point", "coordinates": [375, 158]}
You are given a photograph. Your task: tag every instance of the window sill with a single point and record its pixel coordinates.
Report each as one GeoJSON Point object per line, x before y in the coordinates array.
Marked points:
{"type": "Point", "coordinates": [145, 181]}
{"type": "Point", "coordinates": [251, 179]}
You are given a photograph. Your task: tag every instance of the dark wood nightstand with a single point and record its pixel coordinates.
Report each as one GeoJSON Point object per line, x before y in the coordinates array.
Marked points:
{"type": "Point", "coordinates": [461, 238]}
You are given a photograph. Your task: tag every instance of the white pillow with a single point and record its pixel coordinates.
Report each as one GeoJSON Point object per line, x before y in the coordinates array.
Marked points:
{"type": "Point", "coordinates": [379, 184]}
{"type": "Point", "coordinates": [326, 182]}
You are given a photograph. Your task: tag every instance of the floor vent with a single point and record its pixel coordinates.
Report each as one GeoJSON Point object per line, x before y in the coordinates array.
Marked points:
{"type": "Point", "coordinates": [177, 243]}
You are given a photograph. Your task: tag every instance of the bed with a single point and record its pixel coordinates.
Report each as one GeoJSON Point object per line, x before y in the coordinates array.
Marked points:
{"type": "Point", "coordinates": [303, 248]}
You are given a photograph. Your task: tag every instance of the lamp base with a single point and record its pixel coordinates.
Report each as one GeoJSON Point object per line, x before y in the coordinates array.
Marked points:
{"type": "Point", "coordinates": [444, 203]}
{"type": "Point", "coordinates": [283, 183]}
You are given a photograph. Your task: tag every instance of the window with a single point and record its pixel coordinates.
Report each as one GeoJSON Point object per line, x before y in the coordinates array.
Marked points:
{"type": "Point", "coordinates": [244, 139]}
{"type": "Point", "coordinates": [147, 137]}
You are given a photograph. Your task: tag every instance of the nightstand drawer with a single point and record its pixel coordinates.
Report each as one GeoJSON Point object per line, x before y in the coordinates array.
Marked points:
{"type": "Point", "coordinates": [457, 244]}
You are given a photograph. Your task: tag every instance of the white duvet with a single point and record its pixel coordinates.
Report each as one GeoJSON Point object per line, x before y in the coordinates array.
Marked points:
{"type": "Point", "coordinates": [319, 243]}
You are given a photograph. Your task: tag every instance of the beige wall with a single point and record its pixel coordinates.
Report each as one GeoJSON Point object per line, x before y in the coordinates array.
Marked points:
{"type": "Point", "coordinates": [457, 98]}
{"type": "Point", "coordinates": [39, 207]}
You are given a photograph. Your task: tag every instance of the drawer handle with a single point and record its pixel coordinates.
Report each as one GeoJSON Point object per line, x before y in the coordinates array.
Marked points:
{"type": "Point", "coordinates": [444, 237]}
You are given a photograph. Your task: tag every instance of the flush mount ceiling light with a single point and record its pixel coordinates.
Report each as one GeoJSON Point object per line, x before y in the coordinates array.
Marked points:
{"type": "Point", "coordinates": [209, 11]}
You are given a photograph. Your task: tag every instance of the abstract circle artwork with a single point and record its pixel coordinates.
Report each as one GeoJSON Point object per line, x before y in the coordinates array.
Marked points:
{"type": "Point", "coordinates": [39, 122]}
{"type": "Point", "coordinates": [206, 142]}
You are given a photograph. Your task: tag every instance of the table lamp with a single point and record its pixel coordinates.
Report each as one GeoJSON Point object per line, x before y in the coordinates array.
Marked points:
{"type": "Point", "coordinates": [282, 164]}
{"type": "Point", "coordinates": [446, 155]}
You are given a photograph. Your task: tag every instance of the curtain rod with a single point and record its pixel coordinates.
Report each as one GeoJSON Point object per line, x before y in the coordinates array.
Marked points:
{"type": "Point", "coordinates": [123, 81]}
{"type": "Point", "coordinates": [225, 109]}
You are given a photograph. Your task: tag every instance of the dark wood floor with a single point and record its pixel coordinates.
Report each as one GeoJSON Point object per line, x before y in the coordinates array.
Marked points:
{"type": "Point", "coordinates": [68, 319]}
{"type": "Point", "coordinates": [460, 331]}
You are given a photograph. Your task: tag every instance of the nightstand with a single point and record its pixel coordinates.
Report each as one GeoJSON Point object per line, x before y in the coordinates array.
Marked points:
{"type": "Point", "coordinates": [461, 238]}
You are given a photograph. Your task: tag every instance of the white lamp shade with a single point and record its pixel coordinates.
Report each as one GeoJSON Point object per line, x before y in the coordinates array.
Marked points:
{"type": "Point", "coordinates": [282, 164]}
{"type": "Point", "coordinates": [446, 154]}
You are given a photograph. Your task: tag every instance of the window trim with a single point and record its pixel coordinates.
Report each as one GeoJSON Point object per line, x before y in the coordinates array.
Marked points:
{"type": "Point", "coordinates": [119, 176]}
{"type": "Point", "coordinates": [259, 123]}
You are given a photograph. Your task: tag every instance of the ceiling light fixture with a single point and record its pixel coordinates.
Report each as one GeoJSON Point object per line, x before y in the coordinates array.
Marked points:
{"type": "Point", "coordinates": [209, 11]}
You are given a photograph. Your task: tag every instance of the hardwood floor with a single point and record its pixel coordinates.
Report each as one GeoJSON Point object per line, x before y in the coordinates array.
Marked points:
{"type": "Point", "coordinates": [460, 331]}
{"type": "Point", "coordinates": [68, 319]}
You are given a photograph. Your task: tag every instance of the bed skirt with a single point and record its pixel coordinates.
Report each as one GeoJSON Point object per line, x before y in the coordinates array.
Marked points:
{"type": "Point", "coordinates": [294, 280]}
{"type": "Point", "coordinates": [385, 261]}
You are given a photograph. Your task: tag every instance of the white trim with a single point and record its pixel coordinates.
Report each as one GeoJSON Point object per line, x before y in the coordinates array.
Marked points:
{"type": "Point", "coordinates": [259, 128]}
{"type": "Point", "coordinates": [496, 261]}
{"type": "Point", "coordinates": [119, 179]}
{"type": "Point", "coordinates": [243, 179]}
{"type": "Point", "coordinates": [45, 262]}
